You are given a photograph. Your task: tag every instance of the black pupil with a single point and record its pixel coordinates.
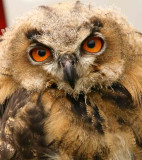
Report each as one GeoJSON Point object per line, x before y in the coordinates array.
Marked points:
{"type": "Point", "coordinates": [91, 44]}
{"type": "Point", "coordinates": [41, 52]}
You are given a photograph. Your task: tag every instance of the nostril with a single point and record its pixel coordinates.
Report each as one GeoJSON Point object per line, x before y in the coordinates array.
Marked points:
{"type": "Point", "coordinates": [67, 59]}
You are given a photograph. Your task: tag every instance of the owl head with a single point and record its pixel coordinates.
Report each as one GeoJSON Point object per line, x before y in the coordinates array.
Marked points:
{"type": "Point", "coordinates": [70, 46]}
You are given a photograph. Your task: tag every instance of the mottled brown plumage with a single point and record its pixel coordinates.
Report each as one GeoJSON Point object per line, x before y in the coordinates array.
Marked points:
{"type": "Point", "coordinates": [81, 102]}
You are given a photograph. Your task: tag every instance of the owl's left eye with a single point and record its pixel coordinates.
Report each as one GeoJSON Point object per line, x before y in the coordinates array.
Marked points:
{"type": "Point", "coordinates": [93, 44]}
{"type": "Point", "coordinates": [40, 54]}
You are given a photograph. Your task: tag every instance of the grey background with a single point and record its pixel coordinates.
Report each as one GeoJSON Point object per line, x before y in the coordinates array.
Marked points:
{"type": "Point", "coordinates": [131, 9]}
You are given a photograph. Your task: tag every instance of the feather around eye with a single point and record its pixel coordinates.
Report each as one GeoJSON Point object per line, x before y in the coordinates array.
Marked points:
{"type": "Point", "coordinates": [40, 54]}
{"type": "Point", "coordinates": [93, 44]}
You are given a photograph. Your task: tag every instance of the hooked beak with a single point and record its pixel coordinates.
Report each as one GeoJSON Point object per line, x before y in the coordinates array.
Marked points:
{"type": "Point", "coordinates": [70, 75]}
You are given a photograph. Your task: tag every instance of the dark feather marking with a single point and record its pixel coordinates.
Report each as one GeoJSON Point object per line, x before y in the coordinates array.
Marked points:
{"type": "Point", "coordinates": [51, 143]}
{"type": "Point", "coordinates": [97, 157]}
{"type": "Point", "coordinates": [80, 157]}
{"type": "Point", "coordinates": [138, 140]}
{"type": "Point", "coordinates": [99, 120]}
{"type": "Point", "coordinates": [5, 74]}
{"type": "Point", "coordinates": [119, 96]}
{"type": "Point", "coordinates": [122, 102]}
{"type": "Point", "coordinates": [99, 128]}
{"type": "Point", "coordinates": [119, 88]}
{"type": "Point", "coordinates": [38, 128]}
{"type": "Point", "coordinates": [139, 33]}
{"type": "Point", "coordinates": [79, 107]}
{"type": "Point", "coordinates": [42, 142]}
{"type": "Point", "coordinates": [54, 86]}
{"type": "Point", "coordinates": [77, 155]}
{"type": "Point", "coordinates": [3, 107]}
{"type": "Point", "coordinates": [1, 39]}
{"type": "Point", "coordinates": [97, 24]}
{"type": "Point", "coordinates": [77, 6]}
{"type": "Point", "coordinates": [97, 115]}
{"type": "Point", "coordinates": [120, 121]}
{"type": "Point", "coordinates": [88, 120]}
{"type": "Point", "coordinates": [88, 102]}
{"type": "Point", "coordinates": [59, 143]}
{"type": "Point", "coordinates": [23, 137]}
{"type": "Point", "coordinates": [47, 8]}
{"type": "Point", "coordinates": [27, 153]}
{"type": "Point", "coordinates": [33, 32]}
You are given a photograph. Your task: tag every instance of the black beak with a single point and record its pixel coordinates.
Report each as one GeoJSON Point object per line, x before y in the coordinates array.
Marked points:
{"type": "Point", "coordinates": [68, 63]}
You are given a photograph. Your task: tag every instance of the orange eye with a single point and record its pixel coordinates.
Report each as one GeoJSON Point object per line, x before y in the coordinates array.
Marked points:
{"type": "Point", "coordinates": [93, 44]}
{"type": "Point", "coordinates": [40, 54]}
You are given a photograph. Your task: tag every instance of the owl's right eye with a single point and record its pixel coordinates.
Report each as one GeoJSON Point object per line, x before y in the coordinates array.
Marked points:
{"type": "Point", "coordinates": [40, 54]}
{"type": "Point", "coordinates": [93, 44]}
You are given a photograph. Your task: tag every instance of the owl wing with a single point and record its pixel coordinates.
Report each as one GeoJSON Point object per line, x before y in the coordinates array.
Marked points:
{"type": "Point", "coordinates": [8, 112]}
{"type": "Point", "coordinates": [21, 126]}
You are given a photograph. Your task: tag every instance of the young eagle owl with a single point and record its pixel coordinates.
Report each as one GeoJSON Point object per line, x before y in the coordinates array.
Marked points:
{"type": "Point", "coordinates": [71, 86]}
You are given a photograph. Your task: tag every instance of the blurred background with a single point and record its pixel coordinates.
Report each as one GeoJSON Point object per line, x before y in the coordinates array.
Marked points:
{"type": "Point", "coordinates": [10, 9]}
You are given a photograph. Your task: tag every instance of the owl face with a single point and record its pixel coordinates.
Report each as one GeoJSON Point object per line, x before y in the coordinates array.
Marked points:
{"type": "Point", "coordinates": [68, 45]}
